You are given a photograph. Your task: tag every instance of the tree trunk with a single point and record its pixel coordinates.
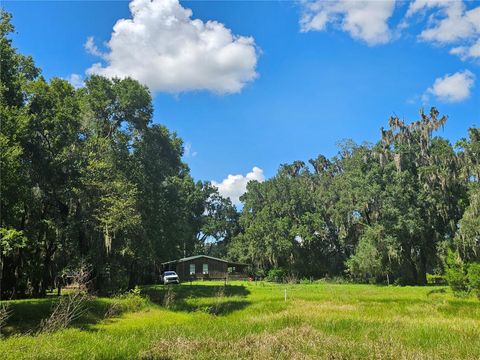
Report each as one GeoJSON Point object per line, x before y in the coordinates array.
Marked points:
{"type": "Point", "coordinates": [422, 276]}
{"type": "Point", "coordinates": [47, 262]}
{"type": "Point", "coordinates": [131, 275]}
{"type": "Point", "coordinates": [413, 266]}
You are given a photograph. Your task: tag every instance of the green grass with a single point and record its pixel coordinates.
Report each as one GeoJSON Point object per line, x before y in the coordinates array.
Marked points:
{"type": "Point", "coordinates": [248, 320]}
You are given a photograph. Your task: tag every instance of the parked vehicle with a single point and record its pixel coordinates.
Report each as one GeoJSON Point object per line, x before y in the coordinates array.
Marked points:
{"type": "Point", "coordinates": [170, 277]}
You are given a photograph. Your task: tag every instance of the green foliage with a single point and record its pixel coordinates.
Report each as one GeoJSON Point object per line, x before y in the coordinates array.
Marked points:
{"type": "Point", "coordinates": [455, 274]}
{"type": "Point", "coordinates": [382, 212]}
{"type": "Point", "coordinates": [129, 301]}
{"type": "Point", "coordinates": [276, 275]}
{"type": "Point", "coordinates": [436, 279]}
{"type": "Point", "coordinates": [11, 240]}
{"type": "Point", "coordinates": [374, 255]}
{"type": "Point", "coordinates": [87, 177]}
{"type": "Point", "coordinates": [473, 275]}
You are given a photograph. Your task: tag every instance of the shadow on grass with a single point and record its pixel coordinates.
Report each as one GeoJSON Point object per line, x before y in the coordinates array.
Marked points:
{"type": "Point", "coordinates": [207, 298]}
{"type": "Point", "coordinates": [27, 314]}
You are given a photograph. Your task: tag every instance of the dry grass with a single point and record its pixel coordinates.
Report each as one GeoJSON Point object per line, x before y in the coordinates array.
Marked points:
{"type": "Point", "coordinates": [70, 307]}
{"type": "Point", "coordinates": [302, 342]}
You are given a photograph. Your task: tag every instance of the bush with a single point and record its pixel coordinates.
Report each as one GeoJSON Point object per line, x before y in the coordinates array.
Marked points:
{"type": "Point", "coordinates": [436, 279]}
{"type": "Point", "coordinates": [455, 274]}
{"type": "Point", "coordinates": [332, 280]}
{"type": "Point", "coordinates": [130, 301]}
{"type": "Point", "coordinates": [276, 274]}
{"type": "Point", "coordinates": [306, 281]}
{"type": "Point", "coordinates": [69, 307]}
{"type": "Point", "coordinates": [474, 278]}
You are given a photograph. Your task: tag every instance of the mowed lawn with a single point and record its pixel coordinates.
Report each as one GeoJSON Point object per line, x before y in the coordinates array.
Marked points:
{"type": "Point", "coordinates": [206, 320]}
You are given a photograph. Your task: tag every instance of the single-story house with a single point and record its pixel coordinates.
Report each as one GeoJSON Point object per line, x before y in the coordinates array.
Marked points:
{"type": "Point", "coordinates": [205, 267]}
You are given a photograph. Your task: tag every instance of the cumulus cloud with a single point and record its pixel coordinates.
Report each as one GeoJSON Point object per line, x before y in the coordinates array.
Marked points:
{"type": "Point", "coordinates": [452, 87]}
{"type": "Point", "coordinates": [235, 186]}
{"type": "Point", "coordinates": [76, 80]}
{"type": "Point", "coordinates": [450, 22]}
{"type": "Point", "coordinates": [162, 46]}
{"type": "Point", "coordinates": [364, 20]}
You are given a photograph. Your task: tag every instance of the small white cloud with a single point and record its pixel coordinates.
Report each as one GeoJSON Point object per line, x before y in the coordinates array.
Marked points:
{"type": "Point", "coordinates": [421, 5]}
{"type": "Point", "coordinates": [163, 47]}
{"type": "Point", "coordinates": [92, 48]}
{"type": "Point", "coordinates": [188, 151]}
{"type": "Point", "coordinates": [450, 22]}
{"type": "Point", "coordinates": [76, 81]}
{"type": "Point", "coordinates": [452, 87]}
{"type": "Point", "coordinates": [467, 52]}
{"type": "Point", "coordinates": [235, 186]}
{"type": "Point", "coordinates": [364, 20]}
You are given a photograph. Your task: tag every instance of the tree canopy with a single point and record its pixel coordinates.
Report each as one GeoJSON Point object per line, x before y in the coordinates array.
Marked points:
{"type": "Point", "coordinates": [87, 179]}
{"type": "Point", "coordinates": [384, 212]}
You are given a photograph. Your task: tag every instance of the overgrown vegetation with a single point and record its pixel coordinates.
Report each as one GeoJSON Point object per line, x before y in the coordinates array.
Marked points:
{"type": "Point", "coordinates": [70, 307]}
{"type": "Point", "coordinates": [380, 213]}
{"type": "Point", "coordinates": [88, 178]}
{"type": "Point", "coordinates": [245, 320]}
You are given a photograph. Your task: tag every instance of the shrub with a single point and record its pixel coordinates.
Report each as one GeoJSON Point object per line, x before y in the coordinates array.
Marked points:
{"type": "Point", "coordinates": [276, 274]}
{"type": "Point", "coordinates": [455, 274]}
{"type": "Point", "coordinates": [69, 307]}
{"type": "Point", "coordinates": [130, 301]}
{"type": "Point", "coordinates": [291, 278]}
{"type": "Point", "coordinates": [332, 280]}
{"type": "Point", "coordinates": [474, 278]}
{"type": "Point", "coordinates": [436, 279]}
{"type": "Point", "coordinates": [306, 281]}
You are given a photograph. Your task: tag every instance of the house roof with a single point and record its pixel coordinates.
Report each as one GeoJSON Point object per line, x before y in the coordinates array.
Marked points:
{"type": "Point", "coordinates": [201, 256]}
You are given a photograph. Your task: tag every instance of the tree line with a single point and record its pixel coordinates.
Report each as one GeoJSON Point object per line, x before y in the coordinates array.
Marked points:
{"type": "Point", "coordinates": [88, 180]}
{"type": "Point", "coordinates": [389, 212]}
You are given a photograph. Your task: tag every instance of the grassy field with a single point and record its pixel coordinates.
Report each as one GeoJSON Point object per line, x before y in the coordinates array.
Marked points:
{"type": "Point", "coordinates": [253, 321]}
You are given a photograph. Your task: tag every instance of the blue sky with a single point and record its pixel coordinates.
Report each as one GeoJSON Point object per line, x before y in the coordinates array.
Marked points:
{"type": "Point", "coordinates": [291, 80]}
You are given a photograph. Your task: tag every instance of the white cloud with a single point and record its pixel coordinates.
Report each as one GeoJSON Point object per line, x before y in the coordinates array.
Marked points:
{"type": "Point", "coordinates": [188, 152]}
{"type": "Point", "coordinates": [76, 81]}
{"type": "Point", "coordinates": [467, 52]}
{"type": "Point", "coordinates": [92, 48]}
{"type": "Point", "coordinates": [235, 186]}
{"type": "Point", "coordinates": [452, 87]}
{"type": "Point", "coordinates": [450, 23]}
{"type": "Point", "coordinates": [164, 48]}
{"type": "Point", "coordinates": [421, 5]}
{"type": "Point", "coordinates": [364, 20]}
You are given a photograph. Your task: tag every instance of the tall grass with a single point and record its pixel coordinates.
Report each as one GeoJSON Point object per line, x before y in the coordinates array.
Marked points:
{"type": "Point", "coordinates": [248, 320]}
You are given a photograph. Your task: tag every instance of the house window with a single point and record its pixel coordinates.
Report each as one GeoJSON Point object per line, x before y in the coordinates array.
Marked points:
{"type": "Point", "coordinates": [192, 269]}
{"type": "Point", "coordinates": [205, 269]}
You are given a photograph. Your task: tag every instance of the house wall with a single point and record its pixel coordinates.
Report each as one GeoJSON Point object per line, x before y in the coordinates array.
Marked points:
{"type": "Point", "coordinates": [216, 269]}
